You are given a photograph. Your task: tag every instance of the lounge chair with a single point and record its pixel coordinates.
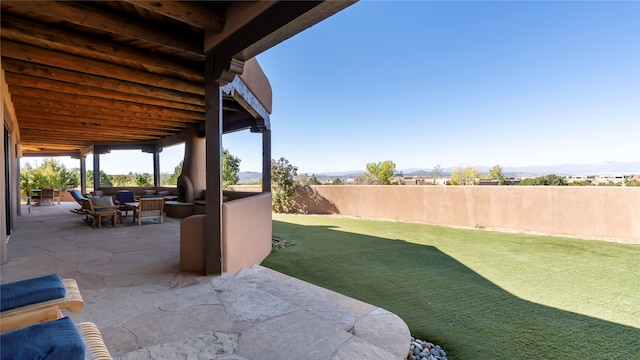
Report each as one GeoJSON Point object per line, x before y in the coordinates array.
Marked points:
{"type": "Point", "coordinates": [36, 300]}
{"type": "Point", "coordinates": [78, 198]}
{"type": "Point", "coordinates": [149, 207]}
{"type": "Point", "coordinates": [56, 339]}
{"type": "Point", "coordinates": [99, 208]}
{"type": "Point", "coordinates": [123, 197]}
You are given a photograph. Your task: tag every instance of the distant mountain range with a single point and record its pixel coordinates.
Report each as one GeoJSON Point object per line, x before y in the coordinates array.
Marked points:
{"type": "Point", "coordinates": [602, 168]}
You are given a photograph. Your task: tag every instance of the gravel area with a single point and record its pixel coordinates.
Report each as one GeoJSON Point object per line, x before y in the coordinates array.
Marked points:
{"type": "Point", "coordinates": [424, 350]}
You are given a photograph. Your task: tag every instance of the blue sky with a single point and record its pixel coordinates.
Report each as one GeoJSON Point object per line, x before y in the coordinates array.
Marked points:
{"type": "Point", "coordinates": [451, 83]}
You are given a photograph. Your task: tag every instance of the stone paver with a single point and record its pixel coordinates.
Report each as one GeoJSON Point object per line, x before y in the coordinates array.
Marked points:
{"type": "Point", "coordinates": [146, 309]}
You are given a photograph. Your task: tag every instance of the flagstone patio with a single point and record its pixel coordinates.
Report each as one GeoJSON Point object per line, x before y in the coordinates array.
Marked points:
{"type": "Point", "coordinates": [146, 309]}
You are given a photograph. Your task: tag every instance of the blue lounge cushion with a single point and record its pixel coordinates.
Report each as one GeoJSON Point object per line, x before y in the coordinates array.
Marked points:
{"type": "Point", "coordinates": [76, 194]}
{"type": "Point", "coordinates": [52, 340]}
{"type": "Point", "coordinates": [125, 197]}
{"type": "Point", "coordinates": [31, 291]}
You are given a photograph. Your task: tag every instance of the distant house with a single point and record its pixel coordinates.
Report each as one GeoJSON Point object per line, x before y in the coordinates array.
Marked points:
{"type": "Point", "coordinates": [507, 181]}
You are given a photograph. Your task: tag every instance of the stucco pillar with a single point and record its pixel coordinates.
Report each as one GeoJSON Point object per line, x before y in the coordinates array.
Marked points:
{"type": "Point", "coordinates": [193, 166]}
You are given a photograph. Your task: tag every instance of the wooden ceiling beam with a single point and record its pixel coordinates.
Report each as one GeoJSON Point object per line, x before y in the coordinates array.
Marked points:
{"type": "Point", "coordinates": [90, 131]}
{"type": "Point", "coordinates": [48, 37]}
{"type": "Point", "coordinates": [191, 13]}
{"type": "Point", "coordinates": [238, 15]}
{"type": "Point", "coordinates": [48, 72]}
{"type": "Point", "coordinates": [51, 151]}
{"type": "Point", "coordinates": [88, 118]}
{"type": "Point", "coordinates": [104, 103]}
{"type": "Point", "coordinates": [20, 81]}
{"type": "Point", "coordinates": [98, 112]}
{"type": "Point", "coordinates": [87, 133]}
{"type": "Point", "coordinates": [83, 15]}
{"type": "Point", "coordinates": [41, 56]}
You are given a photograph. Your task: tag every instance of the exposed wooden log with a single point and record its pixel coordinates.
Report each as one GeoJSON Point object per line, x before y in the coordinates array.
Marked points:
{"type": "Point", "coordinates": [30, 119]}
{"type": "Point", "coordinates": [37, 55]}
{"type": "Point", "coordinates": [48, 37]}
{"type": "Point", "coordinates": [49, 150]}
{"type": "Point", "coordinates": [23, 81]}
{"type": "Point", "coordinates": [292, 18]}
{"type": "Point", "coordinates": [94, 102]}
{"type": "Point", "coordinates": [48, 72]}
{"type": "Point", "coordinates": [262, 31]}
{"type": "Point", "coordinates": [191, 13]}
{"type": "Point", "coordinates": [89, 118]}
{"type": "Point", "coordinates": [101, 113]}
{"type": "Point", "coordinates": [87, 130]}
{"type": "Point", "coordinates": [82, 134]}
{"type": "Point", "coordinates": [83, 15]}
{"type": "Point", "coordinates": [238, 15]}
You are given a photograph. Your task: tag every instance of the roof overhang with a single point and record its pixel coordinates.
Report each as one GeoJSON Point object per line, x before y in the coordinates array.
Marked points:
{"type": "Point", "coordinates": [130, 74]}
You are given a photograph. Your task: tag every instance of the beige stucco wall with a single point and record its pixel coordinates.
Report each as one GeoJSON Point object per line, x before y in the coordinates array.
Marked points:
{"type": "Point", "coordinates": [246, 232]}
{"type": "Point", "coordinates": [595, 212]}
{"type": "Point", "coordinates": [246, 235]}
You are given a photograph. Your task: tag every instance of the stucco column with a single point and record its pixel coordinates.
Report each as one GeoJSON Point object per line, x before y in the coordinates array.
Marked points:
{"type": "Point", "coordinates": [194, 165]}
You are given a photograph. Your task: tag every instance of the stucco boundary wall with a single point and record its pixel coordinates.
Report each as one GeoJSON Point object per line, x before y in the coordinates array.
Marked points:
{"type": "Point", "coordinates": [607, 213]}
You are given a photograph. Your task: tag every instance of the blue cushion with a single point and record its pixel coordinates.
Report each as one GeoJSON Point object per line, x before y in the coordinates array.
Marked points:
{"type": "Point", "coordinates": [76, 194]}
{"type": "Point", "coordinates": [53, 340]}
{"type": "Point", "coordinates": [151, 196]}
{"type": "Point", "coordinates": [125, 197]}
{"type": "Point", "coordinates": [31, 291]}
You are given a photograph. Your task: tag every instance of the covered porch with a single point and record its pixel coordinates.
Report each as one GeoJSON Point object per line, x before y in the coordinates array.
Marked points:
{"type": "Point", "coordinates": [94, 76]}
{"type": "Point", "coordinates": [146, 308]}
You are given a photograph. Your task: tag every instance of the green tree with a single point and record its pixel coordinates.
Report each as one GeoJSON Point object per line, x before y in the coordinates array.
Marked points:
{"type": "Point", "coordinates": [105, 180]}
{"type": "Point", "coordinates": [555, 180]}
{"type": "Point", "coordinates": [283, 185]}
{"type": "Point", "coordinates": [632, 182]}
{"type": "Point", "coordinates": [142, 179]}
{"type": "Point", "coordinates": [230, 169]}
{"type": "Point", "coordinates": [465, 176]}
{"type": "Point", "coordinates": [121, 180]}
{"type": "Point", "coordinates": [551, 179]}
{"type": "Point", "coordinates": [50, 174]}
{"type": "Point", "coordinates": [336, 181]}
{"type": "Point", "coordinates": [173, 180]}
{"type": "Point", "coordinates": [313, 180]}
{"type": "Point", "coordinates": [380, 172]}
{"type": "Point", "coordinates": [496, 173]}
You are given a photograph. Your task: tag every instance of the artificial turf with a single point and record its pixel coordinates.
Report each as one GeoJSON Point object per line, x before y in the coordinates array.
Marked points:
{"type": "Point", "coordinates": [480, 294]}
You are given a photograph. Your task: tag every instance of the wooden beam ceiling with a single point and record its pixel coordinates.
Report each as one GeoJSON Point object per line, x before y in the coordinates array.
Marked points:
{"type": "Point", "coordinates": [130, 72]}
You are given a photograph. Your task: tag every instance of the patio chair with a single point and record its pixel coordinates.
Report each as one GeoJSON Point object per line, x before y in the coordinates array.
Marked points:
{"type": "Point", "coordinates": [99, 208]}
{"type": "Point", "coordinates": [56, 339]}
{"type": "Point", "coordinates": [56, 196]}
{"type": "Point", "coordinates": [36, 300]}
{"type": "Point", "coordinates": [149, 207]}
{"type": "Point", "coordinates": [46, 194]}
{"type": "Point", "coordinates": [78, 198]}
{"type": "Point", "coordinates": [122, 198]}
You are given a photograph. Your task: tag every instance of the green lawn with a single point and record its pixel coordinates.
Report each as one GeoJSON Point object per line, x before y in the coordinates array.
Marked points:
{"type": "Point", "coordinates": [480, 294]}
